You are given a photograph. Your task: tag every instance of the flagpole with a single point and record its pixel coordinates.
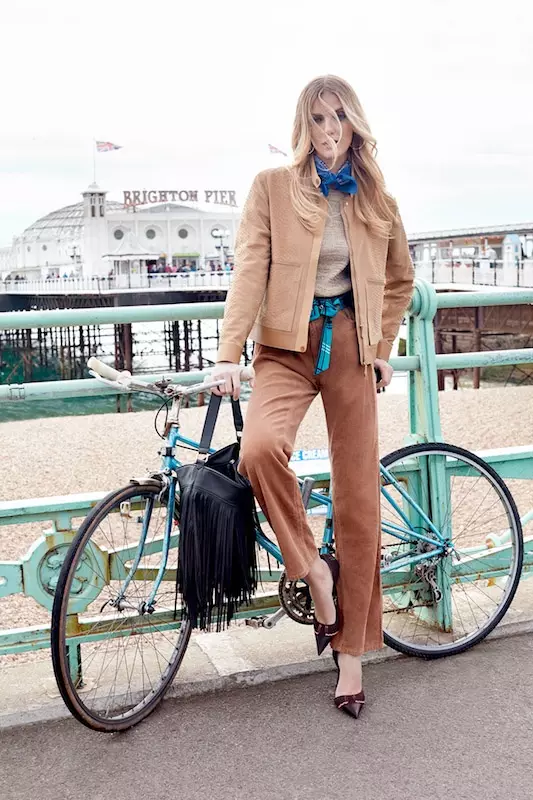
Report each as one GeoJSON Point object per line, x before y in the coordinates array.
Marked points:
{"type": "Point", "coordinates": [94, 160]}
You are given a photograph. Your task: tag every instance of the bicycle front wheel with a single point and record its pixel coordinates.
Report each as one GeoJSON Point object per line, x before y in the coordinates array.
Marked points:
{"type": "Point", "coordinates": [441, 599]}
{"type": "Point", "coordinates": [117, 639]}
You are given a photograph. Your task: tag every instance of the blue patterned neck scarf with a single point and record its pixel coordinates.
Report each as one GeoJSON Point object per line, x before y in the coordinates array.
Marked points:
{"type": "Point", "coordinates": [341, 180]}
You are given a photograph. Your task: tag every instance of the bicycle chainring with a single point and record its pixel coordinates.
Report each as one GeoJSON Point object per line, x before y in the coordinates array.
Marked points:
{"type": "Point", "coordinates": [295, 598]}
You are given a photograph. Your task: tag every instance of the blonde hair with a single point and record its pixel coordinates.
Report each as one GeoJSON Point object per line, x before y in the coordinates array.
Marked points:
{"type": "Point", "coordinates": [372, 208]}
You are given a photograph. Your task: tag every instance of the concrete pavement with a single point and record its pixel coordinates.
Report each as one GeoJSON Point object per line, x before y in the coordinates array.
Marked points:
{"type": "Point", "coordinates": [215, 662]}
{"type": "Point", "coordinates": [453, 728]}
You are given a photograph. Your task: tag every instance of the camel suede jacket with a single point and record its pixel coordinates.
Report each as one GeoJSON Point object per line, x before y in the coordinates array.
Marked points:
{"type": "Point", "coordinates": [275, 272]}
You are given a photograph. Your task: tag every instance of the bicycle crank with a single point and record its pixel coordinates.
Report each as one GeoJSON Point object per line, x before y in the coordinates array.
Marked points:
{"type": "Point", "coordinates": [266, 621]}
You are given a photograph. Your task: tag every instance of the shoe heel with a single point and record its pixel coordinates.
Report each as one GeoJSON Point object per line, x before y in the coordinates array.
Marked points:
{"type": "Point", "coordinates": [324, 633]}
{"type": "Point", "coordinates": [351, 704]}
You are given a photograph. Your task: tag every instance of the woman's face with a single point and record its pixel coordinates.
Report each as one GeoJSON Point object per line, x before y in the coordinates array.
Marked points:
{"type": "Point", "coordinates": [324, 124]}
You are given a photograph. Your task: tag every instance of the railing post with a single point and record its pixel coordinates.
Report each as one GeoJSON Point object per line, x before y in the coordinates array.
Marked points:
{"type": "Point", "coordinates": [74, 662]}
{"type": "Point", "coordinates": [424, 416]}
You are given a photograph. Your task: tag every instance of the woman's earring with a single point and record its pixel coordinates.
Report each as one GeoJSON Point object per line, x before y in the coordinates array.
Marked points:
{"type": "Point", "coordinates": [312, 150]}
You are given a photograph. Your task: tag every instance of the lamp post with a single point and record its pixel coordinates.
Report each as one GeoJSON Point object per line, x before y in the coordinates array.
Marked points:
{"type": "Point", "coordinates": [220, 234]}
{"type": "Point", "coordinates": [451, 260]}
{"type": "Point", "coordinates": [433, 254]}
{"type": "Point", "coordinates": [75, 256]}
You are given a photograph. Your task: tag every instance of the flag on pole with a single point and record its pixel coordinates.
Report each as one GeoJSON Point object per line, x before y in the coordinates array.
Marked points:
{"type": "Point", "coordinates": [276, 150]}
{"type": "Point", "coordinates": [105, 147]}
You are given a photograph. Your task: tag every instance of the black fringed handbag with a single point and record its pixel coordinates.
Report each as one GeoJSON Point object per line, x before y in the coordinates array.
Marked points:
{"type": "Point", "coordinates": [217, 568]}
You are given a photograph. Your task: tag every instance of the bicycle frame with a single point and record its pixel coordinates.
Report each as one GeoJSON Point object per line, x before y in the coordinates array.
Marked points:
{"type": "Point", "coordinates": [408, 535]}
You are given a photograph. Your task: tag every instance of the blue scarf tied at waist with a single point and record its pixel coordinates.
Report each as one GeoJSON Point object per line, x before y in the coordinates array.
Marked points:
{"type": "Point", "coordinates": [326, 307]}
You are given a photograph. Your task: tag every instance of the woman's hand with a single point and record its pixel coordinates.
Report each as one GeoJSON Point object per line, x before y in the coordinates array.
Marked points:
{"type": "Point", "coordinates": [231, 374]}
{"type": "Point", "coordinates": [386, 373]}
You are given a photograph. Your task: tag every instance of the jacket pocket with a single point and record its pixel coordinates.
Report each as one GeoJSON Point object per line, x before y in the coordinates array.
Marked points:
{"type": "Point", "coordinates": [281, 296]}
{"type": "Point", "coordinates": [375, 289]}
{"type": "Point", "coordinates": [379, 248]}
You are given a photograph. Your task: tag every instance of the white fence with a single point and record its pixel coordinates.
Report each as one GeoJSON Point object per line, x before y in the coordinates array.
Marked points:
{"type": "Point", "coordinates": [159, 282]}
{"type": "Point", "coordinates": [465, 272]}
{"type": "Point", "coordinates": [476, 272]}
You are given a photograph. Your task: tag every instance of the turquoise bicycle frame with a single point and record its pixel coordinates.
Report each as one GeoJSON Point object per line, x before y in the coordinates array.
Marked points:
{"type": "Point", "coordinates": [170, 464]}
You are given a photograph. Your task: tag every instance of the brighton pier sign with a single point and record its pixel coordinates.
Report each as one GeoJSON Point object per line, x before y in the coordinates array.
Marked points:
{"type": "Point", "coordinates": [224, 197]}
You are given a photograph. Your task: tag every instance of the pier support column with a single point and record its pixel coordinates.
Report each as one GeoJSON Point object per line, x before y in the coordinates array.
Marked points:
{"type": "Point", "coordinates": [128, 357]}
{"type": "Point", "coordinates": [175, 345]}
{"type": "Point", "coordinates": [123, 357]}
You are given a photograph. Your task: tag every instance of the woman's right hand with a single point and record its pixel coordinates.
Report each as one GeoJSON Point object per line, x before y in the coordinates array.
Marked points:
{"type": "Point", "coordinates": [231, 374]}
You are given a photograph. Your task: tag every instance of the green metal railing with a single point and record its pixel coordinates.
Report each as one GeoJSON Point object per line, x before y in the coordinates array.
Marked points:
{"type": "Point", "coordinates": [36, 574]}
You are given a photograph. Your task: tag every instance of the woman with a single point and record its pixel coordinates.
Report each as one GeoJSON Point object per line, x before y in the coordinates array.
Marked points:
{"type": "Point", "coordinates": [322, 280]}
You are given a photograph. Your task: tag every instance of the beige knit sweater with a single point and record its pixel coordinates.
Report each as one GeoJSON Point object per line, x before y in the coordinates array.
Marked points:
{"type": "Point", "coordinates": [333, 272]}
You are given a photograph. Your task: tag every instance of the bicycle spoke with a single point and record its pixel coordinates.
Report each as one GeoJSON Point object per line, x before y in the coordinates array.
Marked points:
{"type": "Point", "coordinates": [475, 506]}
{"type": "Point", "coordinates": [131, 664]}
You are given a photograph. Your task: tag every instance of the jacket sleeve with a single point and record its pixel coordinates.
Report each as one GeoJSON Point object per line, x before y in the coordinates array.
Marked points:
{"type": "Point", "coordinates": [250, 273]}
{"type": "Point", "coordinates": [399, 282]}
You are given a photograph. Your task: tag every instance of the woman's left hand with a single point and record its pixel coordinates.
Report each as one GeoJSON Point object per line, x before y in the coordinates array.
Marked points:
{"type": "Point", "coordinates": [386, 373]}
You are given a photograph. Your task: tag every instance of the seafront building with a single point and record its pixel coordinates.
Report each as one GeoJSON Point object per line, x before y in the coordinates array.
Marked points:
{"type": "Point", "coordinates": [98, 237]}
{"type": "Point", "coordinates": [159, 247]}
{"type": "Point", "coordinates": [496, 255]}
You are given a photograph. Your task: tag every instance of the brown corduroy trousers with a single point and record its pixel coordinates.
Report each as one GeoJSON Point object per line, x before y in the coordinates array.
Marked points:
{"type": "Point", "coordinates": [285, 386]}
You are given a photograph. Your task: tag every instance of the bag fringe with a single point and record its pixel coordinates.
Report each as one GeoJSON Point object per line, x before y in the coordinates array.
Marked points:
{"type": "Point", "coordinates": [217, 568]}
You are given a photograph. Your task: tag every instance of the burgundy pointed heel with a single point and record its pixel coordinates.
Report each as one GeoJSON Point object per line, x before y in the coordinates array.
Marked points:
{"type": "Point", "coordinates": [351, 704]}
{"type": "Point", "coordinates": [323, 632]}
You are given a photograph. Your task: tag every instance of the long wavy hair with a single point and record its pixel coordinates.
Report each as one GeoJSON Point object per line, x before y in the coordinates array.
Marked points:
{"type": "Point", "coordinates": [372, 208]}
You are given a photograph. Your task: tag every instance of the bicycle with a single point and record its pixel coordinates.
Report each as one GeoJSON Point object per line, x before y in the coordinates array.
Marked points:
{"type": "Point", "coordinates": [117, 637]}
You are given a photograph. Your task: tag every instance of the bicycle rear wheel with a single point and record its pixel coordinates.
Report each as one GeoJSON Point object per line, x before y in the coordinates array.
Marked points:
{"type": "Point", "coordinates": [479, 573]}
{"type": "Point", "coordinates": [114, 655]}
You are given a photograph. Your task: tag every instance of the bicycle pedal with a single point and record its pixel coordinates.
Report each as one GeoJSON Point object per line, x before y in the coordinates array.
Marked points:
{"type": "Point", "coordinates": [255, 622]}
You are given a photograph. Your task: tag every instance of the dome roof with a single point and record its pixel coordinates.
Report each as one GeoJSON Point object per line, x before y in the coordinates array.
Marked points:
{"type": "Point", "coordinates": [65, 223]}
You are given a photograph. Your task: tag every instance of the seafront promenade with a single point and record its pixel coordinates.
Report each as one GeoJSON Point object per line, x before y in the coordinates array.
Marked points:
{"type": "Point", "coordinates": [152, 158]}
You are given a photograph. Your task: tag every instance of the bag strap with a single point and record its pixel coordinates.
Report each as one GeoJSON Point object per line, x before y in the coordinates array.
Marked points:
{"type": "Point", "coordinates": [211, 419]}
{"type": "Point", "coordinates": [237, 418]}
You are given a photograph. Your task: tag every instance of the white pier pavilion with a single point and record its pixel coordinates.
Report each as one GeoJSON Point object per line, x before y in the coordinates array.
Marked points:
{"type": "Point", "coordinates": [101, 238]}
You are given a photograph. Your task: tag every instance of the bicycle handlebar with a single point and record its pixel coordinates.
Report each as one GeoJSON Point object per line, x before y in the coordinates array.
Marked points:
{"type": "Point", "coordinates": [124, 380]}
{"type": "Point", "coordinates": [105, 371]}
{"type": "Point", "coordinates": [246, 374]}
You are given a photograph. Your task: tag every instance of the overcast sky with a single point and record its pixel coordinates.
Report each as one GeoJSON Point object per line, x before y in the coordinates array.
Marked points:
{"type": "Point", "coordinates": [195, 90]}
